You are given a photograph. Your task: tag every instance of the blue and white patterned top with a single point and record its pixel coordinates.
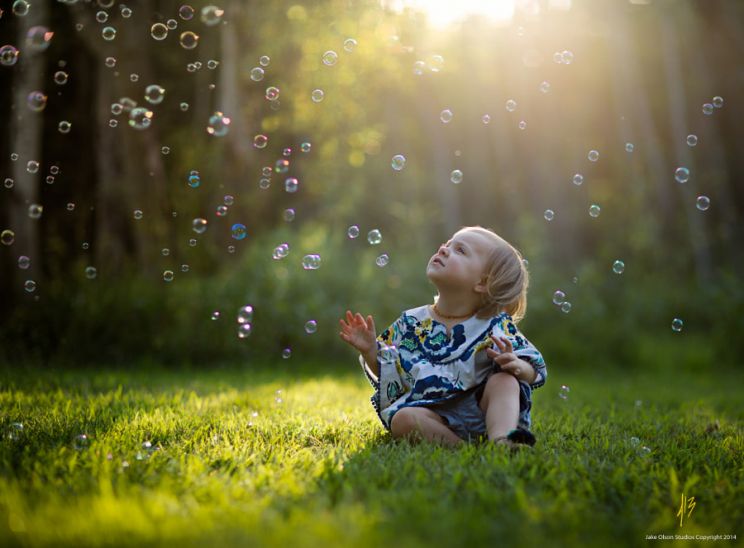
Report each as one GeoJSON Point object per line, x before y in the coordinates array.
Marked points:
{"type": "Point", "coordinates": [427, 366]}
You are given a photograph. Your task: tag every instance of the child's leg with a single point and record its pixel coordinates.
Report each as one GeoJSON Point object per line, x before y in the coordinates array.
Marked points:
{"type": "Point", "coordinates": [415, 422]}
{"type": "Point", "coordinates": [500, 404]}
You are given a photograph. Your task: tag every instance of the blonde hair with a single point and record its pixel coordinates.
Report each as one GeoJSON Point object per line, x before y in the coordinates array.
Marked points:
{"type": "Point", "coordinates": [506, 278]}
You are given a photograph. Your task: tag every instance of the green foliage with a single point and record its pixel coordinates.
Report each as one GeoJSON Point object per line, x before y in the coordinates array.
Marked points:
{"type": "Point", "coordinates": [231, 465]}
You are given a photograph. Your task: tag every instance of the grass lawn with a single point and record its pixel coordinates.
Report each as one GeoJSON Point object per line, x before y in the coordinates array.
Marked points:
{"type": "Point", "coordinates": [231, 462]}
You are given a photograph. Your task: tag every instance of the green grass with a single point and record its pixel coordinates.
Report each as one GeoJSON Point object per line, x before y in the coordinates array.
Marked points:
{"type": "Point", "coordinates": [318, 469]}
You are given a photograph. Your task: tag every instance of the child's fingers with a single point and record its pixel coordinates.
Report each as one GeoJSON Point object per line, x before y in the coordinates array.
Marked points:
{"type": "Point", "coordinates": [371, 324]}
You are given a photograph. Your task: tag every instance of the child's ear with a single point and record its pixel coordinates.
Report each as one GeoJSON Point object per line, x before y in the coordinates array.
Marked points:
{"type": "Point", "coordinates": [481, 286]}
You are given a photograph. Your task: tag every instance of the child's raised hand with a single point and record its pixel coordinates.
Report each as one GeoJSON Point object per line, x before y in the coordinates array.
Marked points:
{"type": "Point", "coordinates": [358, 332]}
{"type": "Point", "coordinates": [507, 360]}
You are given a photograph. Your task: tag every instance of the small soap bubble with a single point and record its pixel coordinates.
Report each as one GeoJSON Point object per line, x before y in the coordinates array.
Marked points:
{"type": "Point", "coordinates": [60, 77]}
{"type": "Point", "coordinates": [194, 179]}
{"type": "Point", "coordinates": [692, 140]}
{"type": "Point", "coordinates": [634, 441]}
{"type": "Point", "coordinates": [244, 330]}
{"type": "Point", "coordinates": [677, 325]}
{"type": "Point", "coordinates": [239, 231]}
{"type": "Point", "coordinates": [38, 38]}
{"type": "Point", "coordinates": [29, 286]}
{"type": "Point", "coordinates": [305, 147]}
{"type": "Point", "coordinates": [7, 237]}
{"type": "Point", "coordinates": [192, 242]}
{"type": "Point", "coordinates": [212, 64]}
{"type": "Point", "coordinates": [218, 125]}
{"type": "Point", "coordinates": [350, 44]}
{"type": "Point", "coordinates": [281, 165]}
{"type": "Point", "coordinates": [168, 276]}
{"type": "Point", "coordinates": [398, 162]}
{"type": "Point", "coordinates": [286, 353]}
{"type": "Point", "coordinates": [682, 174]}
{"type": "Point", "coordinates": [559, 297]}
{"type": "Point", "coordinates": [199, 225]}
{"type": "Point", "coordinates": [618, 267]}
{"type": "Point", "coordinates": [32, 166]}
{"type": "Point", "coordinates": [567, 57]}
{"type": "Point", "coordinates": [644, 451]}
{"type": "Point", "coordinates": [578, 178]}
{"type": "Point", "coordinates": [419, 67]}
{"type": "Point", "coordinates": [257, 74]}
{"type": "Point", "coordinates": [81, 442]}
{"type": "Point", "coordinates": [35, 211]}
{"type": "Point", "coordinates": [264, 183]}
{"type": "Point", "coordinates": [85, 245]}
{"type": "Point", "coordinates": [563, 392]}
{"type": "Point", "coordinates": [140, 118]}
{"type": "Point", "coordinates": [311, 262]}
{"type": "Point", "coordinates": [352, 232]}
{"type": "Point", "coordinates": [221, 210]}
{"type": "Point", "coordinates": [108, 33]}
{"type": "Point", "coordinates": [545, 87]}
{"type": "Point", "coordinates": [708, 109]}
{"type": "Point", "coordinates": [188, 40]}
{"type": "Point", "coordinates": [593, 155]}
{"type": "Point", "coordinates": [91, 272]}
{"type": "Point", "coordinates": [260, 141]}
{"type": "Point", "coordinates": [446, 116]}
{"type": "Point", "coordinates": [280, 251]}
{"type": "Point", "coordinates": [215, 315]}
{"type": "Point", "coordinates": [317, 95]}
{"type": "Point", "coordinates": [70, 206]}
{"type": "Point", "coordinates": [289, 215]}
{"type": "Point", "coordinates": [24, 262]}
{"type": "Point", "coordinates": [264, 60]}
{"type": "Point", "coordinates": [456, 176]}
{"type": "Point", "coordinates": [211, 15]}
{"type": "Point", "coordinates": [36, 101]}
{"type": "Point", "coordinates": [287, 151]}
{"type": "Point", "coordinates": [566, 307]}
{"type": "Point", "coordinates": [291, 184]}
{"type": "Point", "coordinates": [382, 260]}
{"type": "Point", "coordinates": [184, 268]}
{"type": "Point", "coordinates": [436, 63]}
{"type": "Point", "coordinates": [522, 124]}
{"type": "Point", "coordinates": [137, 214]}
{"type": "Point", "coordinates": [330, 58]}
{"type": "Point", "coordinates": [110, 62]}
{"type": "Point", "coordinates": [126, 13]}
{"type": "Point", "coordinates": [9, 182]}
{"type": "Point", "coordinates": [272, 93]}
{"type": "Point", "coordinates": [15, 431]}
{"type": "Point", "coordinates": [486, 119]}
{"type": "Point", "coordinates": [374, 237]}
{"type": "Point", "coordinates": [186, 12]}
{"type": "Point", "coordinates": [311, 327]}
{"type": "Point", "coordinates": [267, 171]}
{"type": "Point", "coordinates": [549, 215]}
{"type": "Point", "coordinates": [718, 101]}
{"type": "Point", "coordinates": [245, 314]}
{"type": "Point", "coordinates": [594, 210]}
{"type": "Point", "coordinates": [154, 94]}
{"type": "Point", "coordinates": [228, 200]}
{"type": "Point", "coordinates": [702, 203]}
{"type": "Point", "coordinates": [511, 105]}
{"type": "Point", "coordinates": [8, 55]}
{"type": "Point", "coordinates": [165, 150]}
{"type": "Point", "coordinates": [629, 147]}
{"type": "Point", "coordinates": [159, 31]}
{"type": "Point", "coordinates": [64, 127]}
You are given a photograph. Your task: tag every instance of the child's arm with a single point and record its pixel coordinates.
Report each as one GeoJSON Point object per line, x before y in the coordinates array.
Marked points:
{"type": "Point", "coordinates": [520, 358]}
{"type": "Point", "coordinates": [360, 334]}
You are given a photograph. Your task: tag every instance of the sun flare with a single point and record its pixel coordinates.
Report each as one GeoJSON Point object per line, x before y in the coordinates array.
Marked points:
{"type": "Point", "coordinates": [442, 13]}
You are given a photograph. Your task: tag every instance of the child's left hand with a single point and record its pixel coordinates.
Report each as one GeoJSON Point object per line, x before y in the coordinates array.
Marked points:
{"type": "Point", "coordinates": [508, 361]}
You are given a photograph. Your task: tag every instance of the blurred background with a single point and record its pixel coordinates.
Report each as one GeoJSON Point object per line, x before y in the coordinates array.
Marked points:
{"type": "Point", "coordinates": [166, 164]}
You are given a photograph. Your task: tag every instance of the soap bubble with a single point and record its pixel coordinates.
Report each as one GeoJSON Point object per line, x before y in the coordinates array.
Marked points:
{"type": "Point", "coordinates": [229, 199]}
{"type": "Point", "coordinates": [20, 8]}
{"type": "Point", "coordinates": [184, 106]}
{"type": "Point", "coordinates": [558, 297]}
{"type": "Point", "coordinates": [24, 262]}
{"type": "Point", "coordinates": [567, 57]}
{"type": "Point", "coordinates": [64, 127]}
{"type": "Point", "coordinates": [245, 314]}
{"type": "Point", "coordinates": [186, 12]}
{"type": "Point", "coordinates": [486, 119]}
{"type": "Point", "coordinates": [137, 214]}
{"type": "Point", "coordinates": [212, 64]}
{"type": "Point", "coordinates": [374, 237]}
{"type": "Point", "coordinates": [286, 353]}
{"type": "Point", "coordinates": [108, 33]}
{"type": "Point", "coordinates": [8, 183]}
{"type": "Point", "coordinates": [168, 276]}
{"type": "Point", "coordinates": [260, 141]}
{"type": "Point", "coordinates": [188, 40]}
{"type": "Point", "coordinates": [159, 31]}
{"type": "Point", "coordinates": [563, 392]}
{"type": "Point", "coordinates": [692, 140]}
{"type": "Point", "coordinates": [549, 215]}
{"type": "Point", "coordinates": [264, 60]}
{"type": "Point", "coordinates": [140, 118]}
{"type": "Point", "coordinates": [134, 77]}
{"type": "Point", "coordinates": [445, 116]}
{"type": "Point", "coordinates": [91, 272]}
{"type": "Point", "coordinates": [350, 44]}
{"type": "Point", "coordinates": [382, 260]}
{"type": "Point", "coordinates": [629, 147]}
{"type": "Point", "coordinates": [264, 183]}
{"type": "Point", "coordinates": [718, 101]}
{"type": "Point", "coordinates": [8, 56]}
{"type": "Point", "coordinates": [194, 179]}
{"type": "Point", "coordinates": [398, 162]}
{"type": "Point", "coordinates": [32, 166]}
{"type": "Point", "coordinates": [289, 215]}
{"type": "Point", "coordinates": [36, 101]}
{"type": "Point", "coordinates": [436, 63]}
{"type": "Point", "coordinates": [511, 105]}
{"type": "Point", "coordinates": [578, 178]}
{"type": "Point", "coordinates": [522, 124]}
{"type": "Point", "coordinates": [126, 13]}
{"type": "Point", "coordinates": [211, 15]}
{"type": "Point", "coordinates": [677, 325]}
{"type": "Point", "coordinates": [634, 441]}
{"type": "Point", "coordinates": [456, 176]}
{"type": "Point", "coordinates": [566, 307]}
{"type": "Point", "coordinates": [682, 174]}
{"type": "Point", "coordinates": [199, 225]}
{"type": "Point", "coordinates": [281, 165]}
{"type": "Point", "coordinates": [545, 87]}
{"type": "Point", "coordinates": [35, 211]}
{"type": "Point", "coordinates": [215, 315]}
{"type": "Point", "coordinates": [353, 231]}
{"type": "Point", "coordinates": [702, 203]}
{"type": "Point", "coordinates": [291, 184]}
{"type": "Point", "coordinates": [61, 77]}
{"type": "Point", "coordinates": [287, 151]}
{"type": "Point", "coordinates": [708, 109]}
{"type": "Point", "coordinates": [110, 62]}
{"type": "Point", "coordinates": [280, 251]}
{"type": "Point", "coordinates": [244, 330]}
{"type": "Point", "coordinates": [311, 262]}
{"type": "Point", "coordinates": [317, 95]}
{"type": "Point", "coordinates": [218, 125]}
{"type": "Point", "coordinates": [257, 74]}
{"type": "Point", "coordinates": [594, 210]}
{"type": "Point", "coordinates": [593, 155]}
{"type": "Point", "coordinates": [330, 58]}
{"type": "Point", "coordinates": [7, 237]}
{"type": "Point", "coordinates": [305, 147]}
{"type": "Point", "coordinates": [618, 267]}
{"type": "Point", "coordinates": [81, 442]}
{"type": "Point", "coordinates": [272, 93]}
{"type": "Point", "coordinates": [38, 38]}
{"type": "Point", "coordinates": [311, 327]}
{"type": "Point", "coordinates": [154, 94]}
{"type": "Point", "coordinates": [239, 231]}
{"type": "Point", "coordinates": [419, 67]}
{"type": "Point", "coordinates": [29, 286]}
{"type": "Point", "coordinates": [221, 210]}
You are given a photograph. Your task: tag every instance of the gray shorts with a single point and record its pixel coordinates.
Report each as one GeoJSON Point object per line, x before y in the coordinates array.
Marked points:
{"type": "Point", "coordinates": [463, 416]}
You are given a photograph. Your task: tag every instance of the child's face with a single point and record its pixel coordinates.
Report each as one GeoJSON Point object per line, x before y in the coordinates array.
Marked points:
{"type": "Point", "coordinates": [460, 264]}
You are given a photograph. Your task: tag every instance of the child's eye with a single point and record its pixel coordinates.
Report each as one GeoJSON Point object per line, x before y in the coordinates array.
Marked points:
{"type": "Point", "coordinates": [460, 249]}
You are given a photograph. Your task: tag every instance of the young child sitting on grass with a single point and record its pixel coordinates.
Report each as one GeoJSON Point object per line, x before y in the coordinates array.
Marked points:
{"type": "Point", "coordinates": [435, 372]}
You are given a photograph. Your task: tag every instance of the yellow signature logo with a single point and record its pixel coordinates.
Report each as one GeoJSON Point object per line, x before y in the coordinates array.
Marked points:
{"type": "Point", "coordinates": [688, 503]}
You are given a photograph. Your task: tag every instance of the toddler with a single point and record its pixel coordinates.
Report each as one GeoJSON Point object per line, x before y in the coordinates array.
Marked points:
{"type": "Point", "coordinates": [435, 371]}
